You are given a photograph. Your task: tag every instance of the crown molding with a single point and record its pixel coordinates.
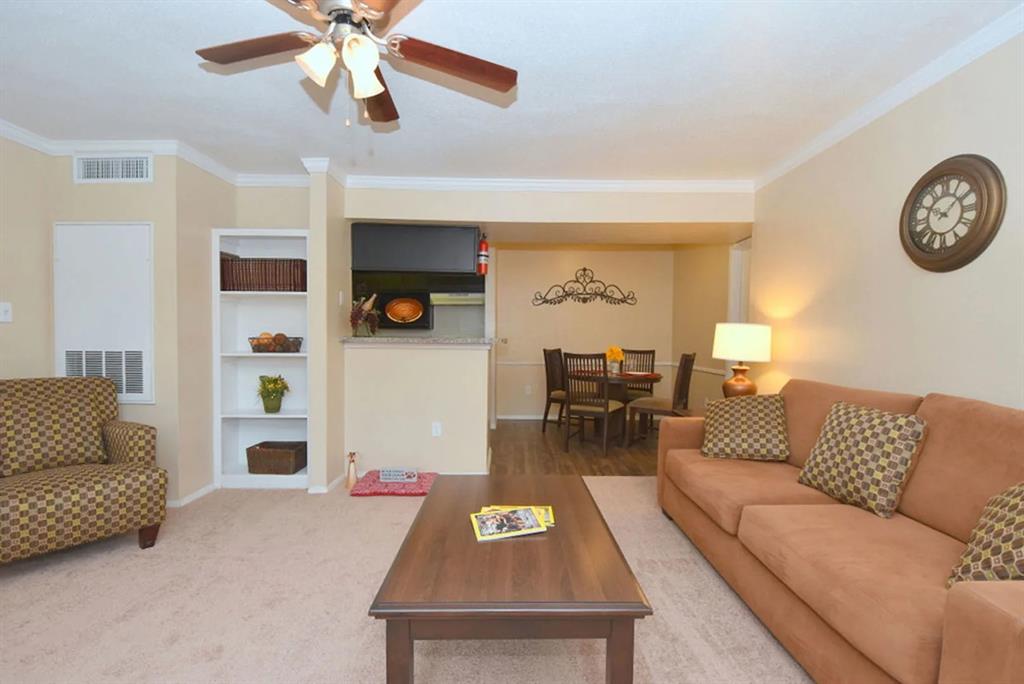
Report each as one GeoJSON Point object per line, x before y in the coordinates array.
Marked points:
{"type": "Point", "coordinates": [268, 180]}
{"type": "Point", "coordinates": [316, 164]}
{"type": "Point", "coordinates": [546, 185]}
{"type": "Point", "coordinates": [984, 41]}
{"type": "Point", "coordinates": [26, 138]}
{"type": "Point", "coordinates": [211, 166]}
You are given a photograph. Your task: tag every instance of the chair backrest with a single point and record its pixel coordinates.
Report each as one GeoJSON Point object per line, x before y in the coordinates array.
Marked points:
{"type": "Point", "coordinates": [579, 390]}
{"type": "Point", "coordinates": [681, 391]}
{"type": "Point", "coordinates": [53, 422]}
{"type": "Point", "coordinates": [639, 361]}
{"type": "Point", "coordinates": [554, 370]}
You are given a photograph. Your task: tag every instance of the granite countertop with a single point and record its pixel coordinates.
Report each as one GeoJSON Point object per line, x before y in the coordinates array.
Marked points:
{"type": "Point", "coordinates": [425, 341]}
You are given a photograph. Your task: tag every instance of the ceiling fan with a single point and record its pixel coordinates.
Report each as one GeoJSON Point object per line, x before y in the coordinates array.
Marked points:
{"type": "Point", "coordinates": [349, 34]}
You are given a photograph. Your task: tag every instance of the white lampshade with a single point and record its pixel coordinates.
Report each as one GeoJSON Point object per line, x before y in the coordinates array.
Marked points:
{"type": "Point", "coordinates": [742, 342]}
{"type": "Point", "coordinates": [360, 56]}
{"type": "Point", "coordinates": [318, 61]}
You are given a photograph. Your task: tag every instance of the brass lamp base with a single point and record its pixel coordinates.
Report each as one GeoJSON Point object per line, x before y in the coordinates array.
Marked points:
{"type": "Point", "coordinates": [739, 385]}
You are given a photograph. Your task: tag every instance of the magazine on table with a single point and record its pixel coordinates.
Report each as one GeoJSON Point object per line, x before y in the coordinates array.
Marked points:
{"type": "Point", "coordinates": [489, 525]}
{"type": "Point", "coordinates": [547, 512]}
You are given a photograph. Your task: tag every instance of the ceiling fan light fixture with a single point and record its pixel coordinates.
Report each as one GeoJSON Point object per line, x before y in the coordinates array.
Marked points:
{"type": "Point", "coordinates": [360, 56]}
{"type": "Point", "coordinates": [318, 61]}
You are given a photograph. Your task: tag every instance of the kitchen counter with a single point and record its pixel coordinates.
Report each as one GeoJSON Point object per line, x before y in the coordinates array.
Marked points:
{"type": "Point", "coordinates": [379, 340]}
{"type": "Point", "coordinates": [417, 402]}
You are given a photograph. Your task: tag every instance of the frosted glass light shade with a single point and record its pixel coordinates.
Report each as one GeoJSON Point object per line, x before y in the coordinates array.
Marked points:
{"type": "Point", "coordinates": [318, 61]}
{"type": "Point", "coordinates": [361, 57]}
{"type": "Point", "coordinates": [742, 342]}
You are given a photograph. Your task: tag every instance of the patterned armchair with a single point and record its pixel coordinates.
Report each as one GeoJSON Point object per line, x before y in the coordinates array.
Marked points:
{"type": "Point", "coordinates": [70, 471]}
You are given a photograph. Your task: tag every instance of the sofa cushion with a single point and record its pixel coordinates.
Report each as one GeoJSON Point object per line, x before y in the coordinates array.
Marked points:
{"type": "Point", "coordinates": [48, 429]}
{"type": "Point", "coordinates": [863, 456]}
{"type": "Point", "coordinates": [51, 509]}
{"type": "Point", "coordinates": [880, 583]}
{"type": "Point", "coordinates": [974, 451]}
{"type": "Point", "coordinates": [807, 404]}
{"type": "Point", "coordinates": [995, 550]}
{"type": "Point", "coordinates": [722, 487]}
{"type": "Point", "coordinates": [751, 427]}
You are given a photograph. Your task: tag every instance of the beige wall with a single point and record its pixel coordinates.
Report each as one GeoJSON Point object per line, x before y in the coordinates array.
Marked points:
{"type": "Point", "coordinates": [329, 270]}
{"type": "Point", "coordinates": [26, 348]}
{"type": "Point", "coordinates": [829, 274]}
{"type": "Point", "coordinates": [574, 327]}
{"type": "Point", "coordinates": [395, 393]}
{"type": "Point", "coordinates": [150, 203]}
{"type": "Point", "coordinates": [548, 207]}
{"type": "Point", "coordinates": [271, 207]}
{"type": "Point", "coordinates": [701, 299]}
{"type": "Point", "coordinates": [204, 202]}
{"type": "Point", "coordinates": [184, 204]}
{"type": "Point", "coordinates": [339, 278]}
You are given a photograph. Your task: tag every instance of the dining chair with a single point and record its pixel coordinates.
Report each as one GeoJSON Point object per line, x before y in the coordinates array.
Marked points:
{"type": "Point", "coordinates": [554, 372]}
{"type": "Point", "coordinates": [678, 405]}
{"type": "Point", "coordinates": [638, 361]}
{"type": "Point", "coordinates": [587, 399]}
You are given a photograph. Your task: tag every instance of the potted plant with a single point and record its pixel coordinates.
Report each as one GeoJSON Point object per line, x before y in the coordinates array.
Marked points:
{"type": "Point", "coordinates": [271, 391]}
{"type": "Point", "coordinates": [615, 357]}
{"type": "Point", "coordinates": [364, 318]}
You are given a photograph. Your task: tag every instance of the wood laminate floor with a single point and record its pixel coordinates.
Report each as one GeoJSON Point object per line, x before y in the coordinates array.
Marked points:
{"type": "Point", "coordinates": [519, 448]}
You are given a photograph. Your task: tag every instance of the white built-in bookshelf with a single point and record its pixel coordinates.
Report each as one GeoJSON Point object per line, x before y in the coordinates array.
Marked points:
{"type": "Point", "coordinates": [239, 420]}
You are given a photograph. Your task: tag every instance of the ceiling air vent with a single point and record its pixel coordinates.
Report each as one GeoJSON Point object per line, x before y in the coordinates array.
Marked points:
{"type": "Point", "coordinates": [108, 168]}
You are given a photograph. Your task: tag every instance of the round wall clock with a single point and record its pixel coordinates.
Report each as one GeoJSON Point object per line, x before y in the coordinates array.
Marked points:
{"type": "Point", "coordinates": [953, 212]}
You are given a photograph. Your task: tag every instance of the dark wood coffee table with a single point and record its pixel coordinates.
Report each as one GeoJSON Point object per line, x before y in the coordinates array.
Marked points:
{"type": "Point", "coordinates": [571, 582]}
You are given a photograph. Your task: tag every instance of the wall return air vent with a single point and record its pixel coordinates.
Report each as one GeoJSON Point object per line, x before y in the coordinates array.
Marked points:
{"type": "Point", "coordinates": [113, 168]}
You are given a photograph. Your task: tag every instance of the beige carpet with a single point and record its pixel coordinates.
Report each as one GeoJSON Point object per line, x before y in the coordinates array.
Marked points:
{"type": "Point", "coordinates": [248, 586]}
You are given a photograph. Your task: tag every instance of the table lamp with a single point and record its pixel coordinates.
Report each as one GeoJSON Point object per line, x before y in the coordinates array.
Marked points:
{"type": "Point", "coordinates": [741, 342]}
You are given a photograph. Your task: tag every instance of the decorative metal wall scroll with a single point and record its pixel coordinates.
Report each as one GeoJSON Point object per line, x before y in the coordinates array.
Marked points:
{"type": "Point", "coordinates": [585, 288]}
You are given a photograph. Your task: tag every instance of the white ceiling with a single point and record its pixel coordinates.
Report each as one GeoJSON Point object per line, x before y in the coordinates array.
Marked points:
{"type": "Point", "coordinates": [608, 89]}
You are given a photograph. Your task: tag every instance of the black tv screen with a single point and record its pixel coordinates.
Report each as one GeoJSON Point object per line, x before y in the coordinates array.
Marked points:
{"type": "Point", "coordinates": [423, 248]}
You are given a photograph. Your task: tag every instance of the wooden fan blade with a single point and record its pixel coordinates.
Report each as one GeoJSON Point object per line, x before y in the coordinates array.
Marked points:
{"type": "Point", "coordinates": [229, 53]}
{"type": "Point", "coordinates": [458, 64]}
{"type": "Point", "coordinates": [381, 108]}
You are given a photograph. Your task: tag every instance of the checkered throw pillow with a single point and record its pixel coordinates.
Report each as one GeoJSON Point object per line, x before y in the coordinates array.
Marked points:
{"type": "Point", "coordinates": [995, 550]}
{"type": "Point", "coordinates": [746, 427]}
{"type": "Point", "coordinates": [863, 456]}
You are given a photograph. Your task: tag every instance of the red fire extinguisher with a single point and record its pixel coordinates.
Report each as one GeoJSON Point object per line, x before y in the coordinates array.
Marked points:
{"type": "Point", "coordinates": [483, 254]}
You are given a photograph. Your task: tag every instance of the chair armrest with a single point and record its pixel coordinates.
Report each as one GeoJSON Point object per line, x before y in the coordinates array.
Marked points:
{"type": "Point", "coordinates": [127, 442]}
{"type": "Point", "coordinates": [983, 633]}
{"type": "Point", "coordinates": [677, 433]}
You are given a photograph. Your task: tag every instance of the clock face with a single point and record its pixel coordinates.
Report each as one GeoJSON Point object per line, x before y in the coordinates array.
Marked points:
{"type": "Point", "coordinates": [953, 212]}
{"type": "Point", "coordinates": [943, 214]}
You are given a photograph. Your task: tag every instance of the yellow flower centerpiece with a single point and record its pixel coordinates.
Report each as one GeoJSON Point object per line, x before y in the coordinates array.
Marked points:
{"type": "Point", "coordinates": [614, 356]}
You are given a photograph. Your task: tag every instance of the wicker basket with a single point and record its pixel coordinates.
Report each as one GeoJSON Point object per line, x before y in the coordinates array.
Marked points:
{"type": "Point", "coordinates": [261, 275]}
{"type": "Point", "coordinates": [276, 458]}
{"type": "Point", "coordinates": [275, 345]}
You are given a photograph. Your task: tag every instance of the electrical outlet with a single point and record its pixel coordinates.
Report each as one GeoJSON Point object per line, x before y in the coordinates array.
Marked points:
{"type": "Point", "coordinates": [341, 298]}
{"type": "Point", "coordinates": [435, 429]}
{"type": "Point", "coordinates": [527, 390]}
{"type": "Point", "coordinates": [6, 312]}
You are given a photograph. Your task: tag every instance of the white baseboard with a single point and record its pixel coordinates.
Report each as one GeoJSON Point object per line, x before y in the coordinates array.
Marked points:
{"type": "Point", "coordinates": [323, 490]}
{"type": "Point", "coordinates": [537, 416]}
{"type": "Point", "coordinates": [186, 500]}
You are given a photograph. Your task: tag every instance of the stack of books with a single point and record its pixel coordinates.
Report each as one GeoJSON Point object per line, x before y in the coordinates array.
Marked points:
{"type": "Point", "coordinates": [504, 521]}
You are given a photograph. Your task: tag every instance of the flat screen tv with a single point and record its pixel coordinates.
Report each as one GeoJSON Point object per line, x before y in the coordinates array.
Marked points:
{"type": "Point", "coordinates": [414, 248]}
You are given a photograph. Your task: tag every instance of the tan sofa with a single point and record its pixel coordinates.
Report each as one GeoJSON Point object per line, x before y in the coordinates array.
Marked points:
{"type": "Point", "coordinates": [852, 596]}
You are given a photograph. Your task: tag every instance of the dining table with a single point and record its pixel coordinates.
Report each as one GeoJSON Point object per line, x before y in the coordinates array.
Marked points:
{"type": "Point", "coordinates": [617, 382]}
